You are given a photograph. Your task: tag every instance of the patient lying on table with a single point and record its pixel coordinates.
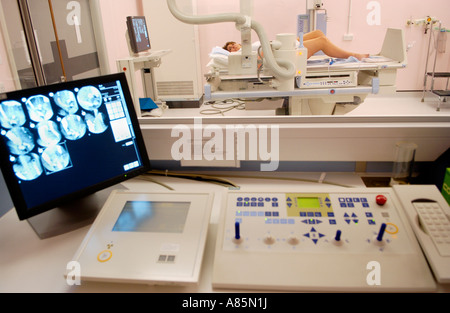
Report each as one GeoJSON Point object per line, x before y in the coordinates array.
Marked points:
{"type": "Point", "coordinates": [314, 41]}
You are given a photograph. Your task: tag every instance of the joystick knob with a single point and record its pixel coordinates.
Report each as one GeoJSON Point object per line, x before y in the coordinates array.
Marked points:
{"type": "Point", "coordinates": [338, 235]}
{"type": "Point", "coordinates": [337, 238]}
{"type": "Point", "coordinates": [292, 240]}
{"type": "Point", "coordinates": [379, 238]}
{"type": "Point", "coordinates": [269, 240]}
{"type": "Point", "coordinates": [381, 232]}
{"type": "Point", "coordinates": [237, 233]}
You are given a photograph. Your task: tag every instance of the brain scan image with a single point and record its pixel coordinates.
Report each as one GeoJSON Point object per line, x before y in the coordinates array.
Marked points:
{"type": "Point", "coordinates": [66, 100]}
{"type": "Point", "coordinates": [96, 122]}
{"type": "Point", "coordinates": [48, 133]}
{"type": "Point", "coordinates": [39, 108]}
{"type": "Point", "coordinates": [20, 140]}
{"type": "Point", "coordinates": [89, 98]}
{"type": "Point", "coordinates": [73, 127]}
{"type": "Point", "coordinates": [28, 167]}
{"type": "Point", "coordinates": [55, 158]}
{"type": "Point", "coordinates": [11, 114]}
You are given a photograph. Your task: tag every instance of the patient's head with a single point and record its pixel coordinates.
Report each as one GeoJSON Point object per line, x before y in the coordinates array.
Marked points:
{"type": "Point", "coordinates": [232, 46]}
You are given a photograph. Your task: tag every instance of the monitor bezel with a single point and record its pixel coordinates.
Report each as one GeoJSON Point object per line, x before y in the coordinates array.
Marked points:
{"type": "Point", "coordinates": [132, 35]}
{"type": "Point", "coordinates": [22, 209]}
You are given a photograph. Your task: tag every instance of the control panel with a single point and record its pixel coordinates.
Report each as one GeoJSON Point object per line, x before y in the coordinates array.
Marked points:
{"type": "Point", "coordinates": [328, 240]}
{"type": "Point", "coordinates": [328, 80]}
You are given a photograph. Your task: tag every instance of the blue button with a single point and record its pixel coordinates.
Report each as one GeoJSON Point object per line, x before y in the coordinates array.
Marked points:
{"type": "Point", "coordinates": [341, 199]}
{"type": "Point", "coordinates": [274, 199]}
{"type": "Point", "coordinates": [239, 204]}
{"type": "Point", "coordinates": [369, 214]}
{"type": "Point", "coordinates": [246, 199]}
{"type": "Point", "coordinates": [253, 213]}
{"type": "Point", "coordinates": [239, 199]}
{"type": "Point", "coordinates": [246, 203]}
{"type": "Point", "coordinates": [275, 214]}
{"type": "Point", "coordinates": [260, 213]}
{"type": "Point", "coordinates": [267, 199]}
{"type": "Point", "coordinates": [246, 213]}
{"type": "Point", "coordinates": [333, 222]}
{"type": "Point", "coordinates": [260, 199]}
{"type": "Point", "coordinates": [274, 204]}
{"type": "Point", "coordinates": [283, 221]}
{"type": "Point", "coordinates": [355, 199]}
{"type": "Point", "coordinates": [343, 205]}
{"type": "Point", "coordinates": [276, 221]}
{"type": "Point", "coordinates": [330, 214]}
{"type": "Point", "coordinates": [318, 214]}
{"type": "Point", "coordinates": [238, 213]}
{"type": "Point", "coordinates": [253, 199]}
{"type": "Point", "coordinates": [268, 213]}
{"type": "Point", "coordinates": [365, 205]}
{"type": "Point", "coordinates": [348, 199]}
{"type": "Point", "coordinates": [302, 214]}
{"type": "Point", "coordinates": [260, 203]}
{"type": "Point", "coordinates": [269, 221]}
{"type": "Point", "coordinates": [253, 204]}
{"type": "Point", "coordinates": [351, 205]}
{"type": "Point", "coordinates": [371, 222]}
{"type": "Point", "coordinates": [363, 199]}
{"type": "Point", "coordinates": [310, 214]}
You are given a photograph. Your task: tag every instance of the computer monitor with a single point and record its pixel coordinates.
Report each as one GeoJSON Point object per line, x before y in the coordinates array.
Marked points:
{"type": "Point", "coordinates": [61, 143]}
{"type": "Point", "coordinates": [138, 34]}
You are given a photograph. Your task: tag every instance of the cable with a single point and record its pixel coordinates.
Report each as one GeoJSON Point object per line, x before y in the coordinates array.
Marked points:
{"type": "Point", "coordinates": [199, 177]}
{"type": "Point", "coordinates": [223, 106]}
{"type": "Point", "coordinates": [218, 178]}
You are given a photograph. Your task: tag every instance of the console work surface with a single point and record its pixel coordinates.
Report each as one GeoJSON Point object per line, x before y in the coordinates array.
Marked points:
{"type": "Point", "coordinates": [33, 265]}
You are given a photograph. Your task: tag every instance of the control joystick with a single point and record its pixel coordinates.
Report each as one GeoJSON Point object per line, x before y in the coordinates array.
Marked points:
{"type": "Point", "coordinates": [337, 239]}
{"type": "Point", "coordinates": [379, 239]}
{"type": "Point", "coordinates": [237, 233]}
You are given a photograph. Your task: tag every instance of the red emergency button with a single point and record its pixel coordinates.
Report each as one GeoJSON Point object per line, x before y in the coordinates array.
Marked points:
{"type": "Point", "coordinates": [381, 200]}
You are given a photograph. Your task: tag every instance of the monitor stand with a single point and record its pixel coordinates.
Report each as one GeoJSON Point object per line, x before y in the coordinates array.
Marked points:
{"type": "Point", "coordinates": [72, 216]}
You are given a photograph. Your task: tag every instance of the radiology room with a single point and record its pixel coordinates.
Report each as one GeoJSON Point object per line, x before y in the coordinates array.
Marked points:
{"type": "Point", "coordinates": [189, 146]}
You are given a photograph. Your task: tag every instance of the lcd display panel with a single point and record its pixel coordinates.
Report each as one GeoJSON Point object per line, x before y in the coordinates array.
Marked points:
{"type": "Point", "coordinates": [63, 141]}
{"type": "Point", "coordinates": [138, 33]}
{"type": "Point", "coordinates": [153, 217]}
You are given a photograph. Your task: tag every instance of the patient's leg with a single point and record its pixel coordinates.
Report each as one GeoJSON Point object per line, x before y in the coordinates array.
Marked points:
{"type": "Point", "coordinates": [316, 41]}
{"type": "Point", "coordinates": [314, 34]}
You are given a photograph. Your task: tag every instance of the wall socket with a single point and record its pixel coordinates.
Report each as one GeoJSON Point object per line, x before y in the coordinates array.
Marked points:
{"type": "Point", "coordinates": [348, 37]}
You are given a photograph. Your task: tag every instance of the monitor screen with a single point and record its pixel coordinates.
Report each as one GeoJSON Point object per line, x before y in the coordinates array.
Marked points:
{"type": "Point", "coordinates": [138, 33]}
{"type": "Point", "coordinates": [64, 141]}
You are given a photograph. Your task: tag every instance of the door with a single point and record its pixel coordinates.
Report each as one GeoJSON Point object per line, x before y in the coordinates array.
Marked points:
{"type": "Point", "coordinates": [51, 41]}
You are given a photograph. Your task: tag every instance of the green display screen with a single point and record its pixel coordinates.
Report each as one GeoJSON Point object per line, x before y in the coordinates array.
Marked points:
{"type": "Point", "coordinates": [308, 203]}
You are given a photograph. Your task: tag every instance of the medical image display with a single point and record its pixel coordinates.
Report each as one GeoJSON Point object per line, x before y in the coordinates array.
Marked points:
{"type": "Point", "coordinates": [67, 139]}
{"type": "Point", "coordinates": [138, 33]}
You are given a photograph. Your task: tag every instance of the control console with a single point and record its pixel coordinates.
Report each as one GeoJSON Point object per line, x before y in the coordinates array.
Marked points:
{"type": "Point", "coordinates": [332, 240]}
